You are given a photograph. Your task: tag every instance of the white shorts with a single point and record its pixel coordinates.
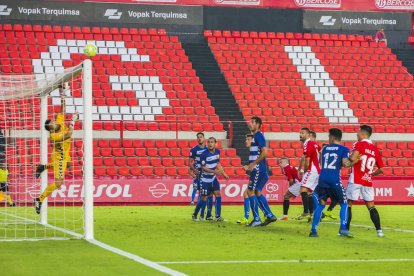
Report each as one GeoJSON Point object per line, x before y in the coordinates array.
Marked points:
{"type": "Point", "coordinates": [310, 180]}
{"type": "Point", "coordinates": [295, 188]}
{"type": "Point", "coordinates": [357, 191]}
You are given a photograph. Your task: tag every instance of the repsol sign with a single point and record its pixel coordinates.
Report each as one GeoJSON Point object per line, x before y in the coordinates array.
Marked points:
{"type": "Point", "coordinates": [356, 21]}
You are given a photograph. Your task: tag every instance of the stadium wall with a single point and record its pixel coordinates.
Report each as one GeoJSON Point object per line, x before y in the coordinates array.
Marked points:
{"type": "Point", "coordinates": [178, 16]}
{"type": "Point", "coordinates": [177, 190]}
{"type": "Point", "coordinates": [152, 190]}
{"type": "Point", "coordinates": [352, 5]}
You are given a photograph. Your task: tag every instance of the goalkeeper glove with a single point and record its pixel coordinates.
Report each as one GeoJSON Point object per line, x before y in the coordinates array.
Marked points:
{"type": "Point", "coordinates": [74, 119]}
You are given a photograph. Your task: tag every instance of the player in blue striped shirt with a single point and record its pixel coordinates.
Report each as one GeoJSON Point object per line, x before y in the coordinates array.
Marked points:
{"type": "Point", "coordinates": [195, 173]}
{"type": "Point", "coordinates": [195, 164]}
{"type": "Point", "coordinates": [211, 168]}
{"type": "Point", "coordinates": [334, 157]}
{"type": "Point", "coordinates": [258, 175]}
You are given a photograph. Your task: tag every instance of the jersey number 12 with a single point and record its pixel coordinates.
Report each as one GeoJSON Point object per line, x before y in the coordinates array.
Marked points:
{"type": "Point", "coordinates": [331, 165]}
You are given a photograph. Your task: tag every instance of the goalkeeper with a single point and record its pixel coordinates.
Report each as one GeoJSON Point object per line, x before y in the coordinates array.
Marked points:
{"type": "Point", "coordinates": [60, 136]}
{"type": "Point", "coordinates": [4, 173]}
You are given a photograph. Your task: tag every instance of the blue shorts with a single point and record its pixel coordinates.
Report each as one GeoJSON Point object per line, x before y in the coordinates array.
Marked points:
{"type": "Point", "coordinates": [257, 180]}
{"type": "Point", "coordinates": [196, 183]}
{"type": "Point", "coordinates": [208, 188]}
{"type": "Point", "coordinates": [335, 192]}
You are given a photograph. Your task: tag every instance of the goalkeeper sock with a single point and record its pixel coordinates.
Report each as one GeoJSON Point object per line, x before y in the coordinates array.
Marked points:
{"type": "Point", "coordinates": [47, 192]}
{"type": "Point", "coordinates": [9, 200]}
{"type": "Point", "coordinates": [1, 196]}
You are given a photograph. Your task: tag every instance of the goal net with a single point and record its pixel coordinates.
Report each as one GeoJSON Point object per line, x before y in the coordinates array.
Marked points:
{"type": "Point", "coordinates": [26, 102]}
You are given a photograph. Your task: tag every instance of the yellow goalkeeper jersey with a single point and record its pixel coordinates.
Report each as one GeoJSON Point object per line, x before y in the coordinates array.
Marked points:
{"type": "Point", "coordinates": [3, 175]}
{"type": "Point", "coordinates": [61, 147]}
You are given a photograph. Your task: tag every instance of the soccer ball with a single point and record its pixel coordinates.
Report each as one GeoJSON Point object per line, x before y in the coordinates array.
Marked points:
{"type": "Point", "coordinates": [90, 50]}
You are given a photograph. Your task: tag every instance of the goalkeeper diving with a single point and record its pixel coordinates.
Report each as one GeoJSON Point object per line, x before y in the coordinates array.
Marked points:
{"type": "Point", "coordinates": [60, 136]}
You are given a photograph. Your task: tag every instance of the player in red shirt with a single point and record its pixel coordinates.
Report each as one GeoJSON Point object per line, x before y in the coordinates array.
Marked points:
{"type": "Point", "coordinates": [294, 184]}
{"type": "Point", "coordinates": [365, 156]}
{"type": "Point", "coordinates": [310, 170]}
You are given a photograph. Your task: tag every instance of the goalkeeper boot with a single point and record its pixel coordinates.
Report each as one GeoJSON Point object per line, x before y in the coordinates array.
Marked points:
{"type": "Point", "coordinates": [284, 218]}
{"type": "Point", "coordinates": [243, 221]}
{"type": "Point", "coordinates": [38, 205]}
{"type": "Point", "coordinates": [39, 170]}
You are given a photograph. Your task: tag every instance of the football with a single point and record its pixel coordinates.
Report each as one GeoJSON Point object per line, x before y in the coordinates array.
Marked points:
{"type": "Point", "coordinates": [90, 50]}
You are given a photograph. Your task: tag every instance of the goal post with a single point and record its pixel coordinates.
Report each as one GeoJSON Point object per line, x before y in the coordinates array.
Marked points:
{"type": "Point", "coordinates": [88, 149]}
{"type": "Point", "coordinates": [26, 102]}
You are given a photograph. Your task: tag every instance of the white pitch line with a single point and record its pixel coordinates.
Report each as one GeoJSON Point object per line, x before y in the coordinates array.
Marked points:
{"type": "Point", "coordinates": [287, 261]}
{"type": "Point", "coordinates": [112, 249]}
{"type": "Point", "coordinates": [138, 259]}
{"type": "Point", "coordinates": [372, 227]}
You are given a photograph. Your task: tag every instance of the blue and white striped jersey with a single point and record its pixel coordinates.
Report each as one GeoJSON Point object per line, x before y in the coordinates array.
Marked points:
{"type": "Point", "coordinates": [210, 160]}
{"type": "Point", "coordinates": [195, 154]}
{"type": "Point", "coordinates": [258, 143]}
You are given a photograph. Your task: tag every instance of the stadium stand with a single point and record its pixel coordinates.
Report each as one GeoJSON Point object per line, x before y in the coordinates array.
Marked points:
{"type": "Point", "coordinates": [143, 81]}
{"type": "Point", "coordinates": [139, 74]}
{"type": "Point", "coordinates": [322, 80]}
{"type": "Point", "coordinates": [315, 76]}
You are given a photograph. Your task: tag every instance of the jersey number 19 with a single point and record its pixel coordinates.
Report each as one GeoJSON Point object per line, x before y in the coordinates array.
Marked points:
{"type": "Point", "coordinates": [367, 163]}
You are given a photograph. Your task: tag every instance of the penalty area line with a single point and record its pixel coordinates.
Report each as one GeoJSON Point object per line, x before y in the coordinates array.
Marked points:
{"type": "Point", "coordinates": [287, 261]}
{"type": "Point", "coordinates": [154, 265]}
{"type": "Point", "coordinates": [115, 250]}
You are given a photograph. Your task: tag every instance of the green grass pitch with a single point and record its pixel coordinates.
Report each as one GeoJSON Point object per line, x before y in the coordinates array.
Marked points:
{"type": "Point", "coordinates": [167, 234]}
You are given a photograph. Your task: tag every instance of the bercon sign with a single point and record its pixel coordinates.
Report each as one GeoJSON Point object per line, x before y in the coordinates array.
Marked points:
{"type": "Point", "coordinates": [318, 3]}
{"type": "Point", "coordinates": [394, 4]}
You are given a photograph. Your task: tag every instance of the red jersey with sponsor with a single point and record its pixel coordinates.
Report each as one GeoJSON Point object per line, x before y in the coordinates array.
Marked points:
{"type": "Point", "coordinates": [311, 151]}
{"type": "Point", "coordinates": [291, 173]}
{"type": "Point", "coordinates": [369, 158]}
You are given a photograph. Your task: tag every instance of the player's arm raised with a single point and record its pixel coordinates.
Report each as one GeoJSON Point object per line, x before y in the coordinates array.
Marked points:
{"type": "Point", "coordinates": [62, 89]}
{"type": "Point", "coordinates": [69, 132]}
